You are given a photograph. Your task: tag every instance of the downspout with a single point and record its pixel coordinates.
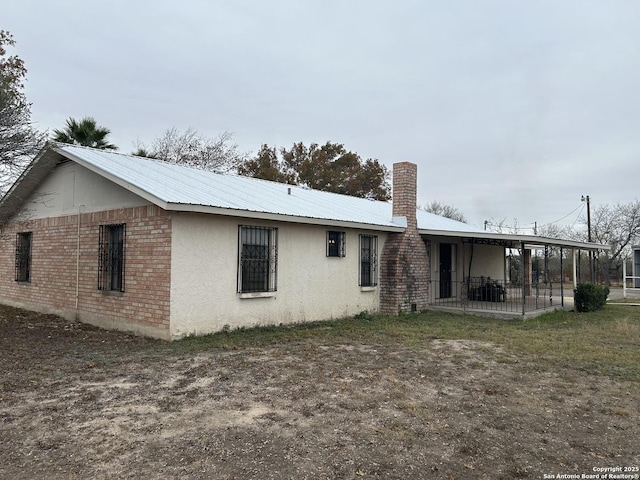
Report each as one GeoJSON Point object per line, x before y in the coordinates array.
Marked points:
{"type": "Point", "coordinates": [80, 208]}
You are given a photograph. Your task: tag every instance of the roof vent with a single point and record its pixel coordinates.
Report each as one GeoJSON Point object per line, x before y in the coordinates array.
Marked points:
{"type": "Point", "coordinates": [289, 191]}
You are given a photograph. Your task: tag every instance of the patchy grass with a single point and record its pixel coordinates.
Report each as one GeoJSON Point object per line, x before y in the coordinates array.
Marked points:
{"type": "Point", "coordinates": [605, 342]}
{"type": "Point", "coordinates": [430, 395]}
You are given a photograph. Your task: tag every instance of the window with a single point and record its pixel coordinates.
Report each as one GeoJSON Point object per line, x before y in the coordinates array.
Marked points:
{"type": "Point", "coordinates": [111, 258]}
{"type": "Point", "coordinates": [258, 262]}
{"type": "Point", "coordinates": [335, 244]}
{"type": "Point", "coordinates": [23, 257]}
{"type": "Point", "coordinates": [368, 260]}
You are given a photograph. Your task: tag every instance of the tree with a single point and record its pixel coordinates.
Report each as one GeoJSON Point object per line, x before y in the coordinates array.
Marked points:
{"type": "Point", "coordinates": [619, 226]}
{"type": "Point", "coordinates": [19, 140]}
{"type": "Point", "coordinates": [191, 149]}
{"type": "Point", "coordinates": [86, 133]}
{"type": "Point", "coordinates": [266, 165]}
{"type": "Point", "coordinates": [329, 167]}
{"type": "Point", "coordinates": [445, 210]}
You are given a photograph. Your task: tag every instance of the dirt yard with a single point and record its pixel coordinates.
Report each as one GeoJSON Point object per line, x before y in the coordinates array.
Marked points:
{"type": "Point", "coordinates": [78, 403]}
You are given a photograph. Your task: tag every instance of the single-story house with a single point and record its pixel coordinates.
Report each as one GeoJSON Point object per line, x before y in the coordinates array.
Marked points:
{"type": "Point", "coordinates": [167, 251]}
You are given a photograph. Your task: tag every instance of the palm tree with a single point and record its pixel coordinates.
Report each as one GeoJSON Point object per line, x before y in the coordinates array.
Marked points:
{"type": "Point", "coordinates": [85, 133]}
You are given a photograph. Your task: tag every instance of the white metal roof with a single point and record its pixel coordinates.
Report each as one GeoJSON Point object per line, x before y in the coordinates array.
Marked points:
{"type": "Point", "coordinates": [180, 188]}
{"type": "Point", "coordinates": [176, 187]}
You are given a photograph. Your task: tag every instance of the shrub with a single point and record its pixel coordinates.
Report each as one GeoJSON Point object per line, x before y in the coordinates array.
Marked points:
{"type": "Point", "coordinates": [590, 296]}
{"type": "Point", "coordinates": [364, 315]}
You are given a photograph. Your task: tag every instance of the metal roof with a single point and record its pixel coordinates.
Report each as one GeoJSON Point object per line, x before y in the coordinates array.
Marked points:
{"type": "Point", "coordinates": [176, 187]}
{"type": "Point", "coordinates": [180, 188]}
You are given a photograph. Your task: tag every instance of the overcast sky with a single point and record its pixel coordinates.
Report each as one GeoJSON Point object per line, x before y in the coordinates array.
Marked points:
{"type": "Point", "coordinates": [511, 109]}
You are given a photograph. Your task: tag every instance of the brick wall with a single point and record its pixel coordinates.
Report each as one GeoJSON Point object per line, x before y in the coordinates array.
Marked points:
{"type": "Point", "coordinates": [404, 263]}
{"type": "Point", "coordinates": [144, 305]}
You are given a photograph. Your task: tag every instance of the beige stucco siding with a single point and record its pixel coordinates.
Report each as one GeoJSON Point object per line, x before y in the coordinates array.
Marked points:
{"type": "Point", "coordinates": [310, 285]}
{"type": "Point", "coordinates": [71, 187]}
{"type": "Point", "coordinates": [488, 261]}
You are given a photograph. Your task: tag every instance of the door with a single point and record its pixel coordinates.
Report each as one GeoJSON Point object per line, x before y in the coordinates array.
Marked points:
{"type": "Point", "coordinates": [445, 270]}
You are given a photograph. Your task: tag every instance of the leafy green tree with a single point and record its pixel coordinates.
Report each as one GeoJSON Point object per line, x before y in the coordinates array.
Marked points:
{"type": "Point", "coordinates": [19, 140]}
{"type": "Point", "coordinates": [86, 133]}
{"type": "Point", "coordinates": [266, 165]}
{"type": "Point", "coordinates": [329, 167]}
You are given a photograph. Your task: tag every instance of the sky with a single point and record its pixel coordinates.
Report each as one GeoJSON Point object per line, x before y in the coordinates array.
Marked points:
{"type": "Point", "coordinates": [512, 110]}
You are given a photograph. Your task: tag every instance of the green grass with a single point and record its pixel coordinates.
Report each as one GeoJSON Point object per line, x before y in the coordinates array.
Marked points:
{"type": "Point", "coordinates": [605, 342]}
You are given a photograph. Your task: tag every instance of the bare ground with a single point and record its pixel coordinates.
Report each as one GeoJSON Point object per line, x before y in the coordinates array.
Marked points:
{"type": "Point", "coordinates": [77, 402]}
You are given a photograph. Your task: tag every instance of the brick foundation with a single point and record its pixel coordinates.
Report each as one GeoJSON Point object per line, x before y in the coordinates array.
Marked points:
{"type": "Point", "coordinates": [404, 263]}
{"type": "Point", "coordinates": [144, 305]}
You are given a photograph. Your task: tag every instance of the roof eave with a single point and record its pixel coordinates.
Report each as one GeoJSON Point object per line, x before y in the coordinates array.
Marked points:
{"type": "Point", "coordinates": [528, 240]}
{"type": "Point", "coordinates": [114, 178]}
{"type": "Point", "coordinates": [231, 212]}
{"type": "Point", "coordinates": [27, 182]}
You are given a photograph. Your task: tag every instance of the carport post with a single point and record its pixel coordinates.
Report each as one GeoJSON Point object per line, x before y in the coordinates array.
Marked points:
{"type": "Point", "coordinates": [575, 268]}
{"type": "Point", "coordinates": [561, 280]}
{"type": "Point", "coordinates": [524, 281]}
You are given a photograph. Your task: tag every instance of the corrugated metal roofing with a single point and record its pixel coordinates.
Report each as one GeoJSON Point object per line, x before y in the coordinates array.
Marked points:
{"type": "Point", "coordinates": [176, 187]}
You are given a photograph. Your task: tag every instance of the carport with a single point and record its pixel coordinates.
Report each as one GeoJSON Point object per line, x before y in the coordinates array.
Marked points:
{"type": "Point", "coordinates": [531, 292]}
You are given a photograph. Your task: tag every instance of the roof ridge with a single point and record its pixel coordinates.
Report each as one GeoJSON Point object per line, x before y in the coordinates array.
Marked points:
{"type": "Point", "coordinates": [218, 172]}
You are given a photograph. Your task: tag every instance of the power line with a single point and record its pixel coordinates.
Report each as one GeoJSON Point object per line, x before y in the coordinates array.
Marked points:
{"type": "Point", "coordinates": [567, 215]}
{"type": "Point", "coordinates": [578, 216]}
{"type": "Point", "coordinates": [530, 226]}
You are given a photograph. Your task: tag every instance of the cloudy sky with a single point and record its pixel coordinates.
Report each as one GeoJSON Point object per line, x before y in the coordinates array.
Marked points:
{"type": "Point", "coordinates": [511, 109]}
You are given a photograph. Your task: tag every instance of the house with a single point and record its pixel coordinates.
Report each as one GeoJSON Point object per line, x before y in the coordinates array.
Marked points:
{"type": "Point", "coordinates": [167, 251]}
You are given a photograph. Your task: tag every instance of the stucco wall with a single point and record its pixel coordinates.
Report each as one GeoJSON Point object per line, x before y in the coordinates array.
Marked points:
{"type": "Point", "coordinates": [310, 285]}
{"type": "Point", "coordinates": [488, 261]}
{"type": "Point", "coordinates": [71, 186]}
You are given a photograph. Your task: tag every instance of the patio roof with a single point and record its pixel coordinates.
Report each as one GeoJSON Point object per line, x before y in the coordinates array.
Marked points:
{"type": "Point", "coordinates": [514, 241]}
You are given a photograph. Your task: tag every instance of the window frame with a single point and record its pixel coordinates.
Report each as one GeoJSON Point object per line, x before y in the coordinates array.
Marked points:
{"type": "Point", "coordinates": [336, 244]}
{"type": "Point", "coordinates": [368, 261]}
{"type": "Point", "coordinates": [24, 257]}
{"type": "Point", "coordinates": [111, 257]}
{"type": "Point", "coordinates": [257, 262]}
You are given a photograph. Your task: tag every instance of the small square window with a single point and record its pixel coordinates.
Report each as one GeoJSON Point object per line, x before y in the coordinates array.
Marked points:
{"type": "Point", "coordinates": [23, 257]}
{"type": "Point", "coordinates": [336, 244]}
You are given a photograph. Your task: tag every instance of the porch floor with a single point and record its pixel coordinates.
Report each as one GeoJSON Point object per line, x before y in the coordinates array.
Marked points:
{"type": "Point", "coordinates": [510, 308]}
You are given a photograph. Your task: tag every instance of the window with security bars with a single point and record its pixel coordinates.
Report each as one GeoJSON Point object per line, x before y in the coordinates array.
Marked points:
{"type": "Point", "coordinates": [258, 262]}
{"type": "Point", "coordinates": [335, 244]}
{"type": "Point", "coordinates": [111, 258]}
{"type": "Point", "coordinates": [368, 260]}
{"type": "Point", "coordinates": [23, 257]}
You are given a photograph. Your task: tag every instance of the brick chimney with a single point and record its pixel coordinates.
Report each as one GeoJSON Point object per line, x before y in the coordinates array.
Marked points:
{"type": "Point", "coordinates": [404, 263]}
{"type": "Point", "coordinates": [405, 197]}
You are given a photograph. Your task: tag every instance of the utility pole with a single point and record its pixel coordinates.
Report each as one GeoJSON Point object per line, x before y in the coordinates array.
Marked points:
{"type": "Point", "coordinates": [591, 272]}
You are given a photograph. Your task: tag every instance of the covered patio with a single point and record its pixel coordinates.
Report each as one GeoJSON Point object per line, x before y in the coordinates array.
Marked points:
{"type": "Point", "coordinates": [480, 285]}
